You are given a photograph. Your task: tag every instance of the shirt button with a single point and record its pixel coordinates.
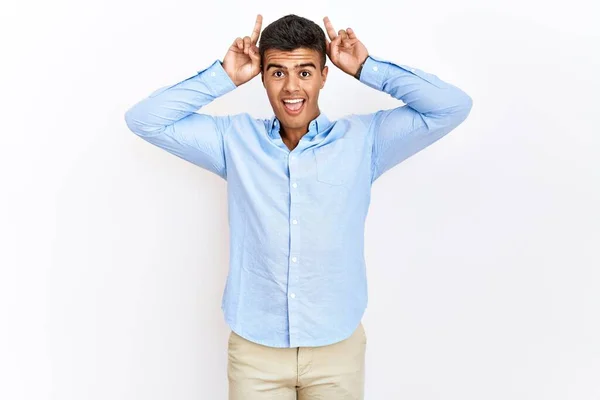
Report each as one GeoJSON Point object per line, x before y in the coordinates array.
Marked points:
{"type": "Point", "coordinates": [212, 74]}
{"type": "Point", "coordinates": [294, 185]}
{"type": "Point", "coordinates": [293, 295]}
{"type": "Point", "coordinates": [294, 222]}
{"type": "Point", "coordinates": [293, 157]}
{"type": "Point", "coordinates": [375, 68]}
{"type": "Point", "coordinates": [294, 259]}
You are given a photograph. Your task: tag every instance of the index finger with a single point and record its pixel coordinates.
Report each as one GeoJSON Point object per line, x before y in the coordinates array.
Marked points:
{"type": "Point", "coordinates": [329, 28]}
{"type": "Point", "coordinates": [256, 30]}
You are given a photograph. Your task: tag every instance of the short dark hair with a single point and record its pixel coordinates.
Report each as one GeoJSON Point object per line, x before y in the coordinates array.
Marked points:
{"type": "Point", "coordinates": [292, 32]}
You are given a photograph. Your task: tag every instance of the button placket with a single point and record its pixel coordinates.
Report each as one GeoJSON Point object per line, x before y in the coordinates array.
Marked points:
{"type": "Point", "coordinates": [294, 246]}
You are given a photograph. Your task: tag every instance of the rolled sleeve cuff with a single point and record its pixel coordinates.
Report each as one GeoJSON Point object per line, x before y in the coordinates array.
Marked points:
{"type": "Point", "coordinates": [214, 77]}
{"type": "Point", "coordinates": [374, 72]}
{"type": "Point", "coordinates": [217, 79]}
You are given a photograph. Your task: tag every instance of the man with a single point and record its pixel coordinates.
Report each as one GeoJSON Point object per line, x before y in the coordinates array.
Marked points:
{"type": "Point", "coordinates": [298, 192]}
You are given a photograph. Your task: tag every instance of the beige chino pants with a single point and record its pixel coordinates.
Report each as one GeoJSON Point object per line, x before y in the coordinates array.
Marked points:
{"type": "Point", "coordinates": [332, 372]}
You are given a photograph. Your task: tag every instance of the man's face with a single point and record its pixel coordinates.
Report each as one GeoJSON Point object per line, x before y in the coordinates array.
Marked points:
{"type": "Point", "coordinates": [289, 75]}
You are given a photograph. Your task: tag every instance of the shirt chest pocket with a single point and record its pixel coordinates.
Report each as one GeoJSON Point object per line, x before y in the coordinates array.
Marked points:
{"type": "Point", "coordinates": [334, 162]}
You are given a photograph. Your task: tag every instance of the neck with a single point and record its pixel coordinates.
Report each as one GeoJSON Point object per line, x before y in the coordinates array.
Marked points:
{"type": "Point", "coordinates": [293, 135]}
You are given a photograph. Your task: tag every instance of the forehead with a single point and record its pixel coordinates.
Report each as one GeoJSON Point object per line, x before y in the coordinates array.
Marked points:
{"type": "Point", "coordinates": [292, 57]}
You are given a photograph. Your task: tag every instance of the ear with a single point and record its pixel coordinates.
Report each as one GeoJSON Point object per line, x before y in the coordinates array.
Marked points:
{"type": "Point", "coordinates": [324, 75]}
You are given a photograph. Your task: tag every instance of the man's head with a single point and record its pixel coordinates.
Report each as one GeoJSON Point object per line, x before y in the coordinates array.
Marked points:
{"type": "Point", "coordinates": [293, 54]}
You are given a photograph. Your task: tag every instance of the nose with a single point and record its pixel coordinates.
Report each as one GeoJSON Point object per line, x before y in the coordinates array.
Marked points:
{"type": "Point", "coordinates": [292, 83]}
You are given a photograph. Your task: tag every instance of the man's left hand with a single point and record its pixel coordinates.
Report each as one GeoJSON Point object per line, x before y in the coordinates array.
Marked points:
{"type": "Point", "coordinates": [345, 50]}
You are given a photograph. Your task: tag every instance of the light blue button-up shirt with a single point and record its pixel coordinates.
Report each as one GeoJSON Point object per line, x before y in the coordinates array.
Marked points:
{"type": "Point", "coordinates": [296, 218]}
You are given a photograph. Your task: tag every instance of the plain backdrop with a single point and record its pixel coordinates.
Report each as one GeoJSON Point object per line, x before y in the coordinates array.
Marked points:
{"type": "Point", "coordinates": [482, 250]}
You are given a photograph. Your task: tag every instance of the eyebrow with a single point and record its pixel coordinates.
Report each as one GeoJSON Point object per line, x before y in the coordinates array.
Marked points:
{"type": "Point", "coordinates": [308, 64]}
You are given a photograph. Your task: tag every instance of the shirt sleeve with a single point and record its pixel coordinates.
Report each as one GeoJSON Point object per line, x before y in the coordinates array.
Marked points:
{"type": "Point", "coordinates": [167, 119]}
{"type": "Point", "coordinates": [432, 109]}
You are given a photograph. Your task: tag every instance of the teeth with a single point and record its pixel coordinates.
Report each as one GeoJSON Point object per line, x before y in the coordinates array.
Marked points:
{"type": "Point", "coordinates": [293, 101]}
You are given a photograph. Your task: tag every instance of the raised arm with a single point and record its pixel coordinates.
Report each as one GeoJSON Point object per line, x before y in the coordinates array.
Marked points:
{"type": "Point", "coordinates": [167, 118]}
{"type": "Point", "coordinates": [432, 107]}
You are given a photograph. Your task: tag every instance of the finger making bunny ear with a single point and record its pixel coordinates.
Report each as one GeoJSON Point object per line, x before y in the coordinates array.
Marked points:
{"type": "Point", "coordinates": [344, 50]}
{"type": "Point", "coordinates": [256, 31]}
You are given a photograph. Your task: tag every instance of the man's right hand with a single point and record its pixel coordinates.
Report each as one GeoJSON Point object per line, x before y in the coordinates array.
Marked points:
{"type": "Point", "coordinates": [242, 61]}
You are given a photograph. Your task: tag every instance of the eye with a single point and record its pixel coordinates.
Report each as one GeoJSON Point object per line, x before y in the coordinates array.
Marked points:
{"type": "Point", "coordinates": [276, 72]}
{"type": "Point", "coordinates": [307, 74]}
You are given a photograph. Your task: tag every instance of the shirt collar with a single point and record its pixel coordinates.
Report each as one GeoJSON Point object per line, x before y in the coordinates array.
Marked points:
{"type": "Point", "coordinates": [315, 127]}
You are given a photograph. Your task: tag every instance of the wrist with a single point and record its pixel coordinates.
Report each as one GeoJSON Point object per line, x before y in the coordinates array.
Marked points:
{"type": "Point", "coordinates": [357, 73]}
{"type": "Point", "coordinates": [231, 77]}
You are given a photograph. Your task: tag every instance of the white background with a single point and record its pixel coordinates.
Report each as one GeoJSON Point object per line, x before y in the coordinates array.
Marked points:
{"type": "Point", "coordinates": [482, 250]}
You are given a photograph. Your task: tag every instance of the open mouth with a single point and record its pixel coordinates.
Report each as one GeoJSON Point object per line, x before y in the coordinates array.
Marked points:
{"type": "Point", "coordinates": [294, 106]}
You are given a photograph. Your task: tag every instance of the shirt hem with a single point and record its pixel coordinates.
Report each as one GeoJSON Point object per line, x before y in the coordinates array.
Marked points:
{"type": "Point", "coordinates": [327, 342]}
